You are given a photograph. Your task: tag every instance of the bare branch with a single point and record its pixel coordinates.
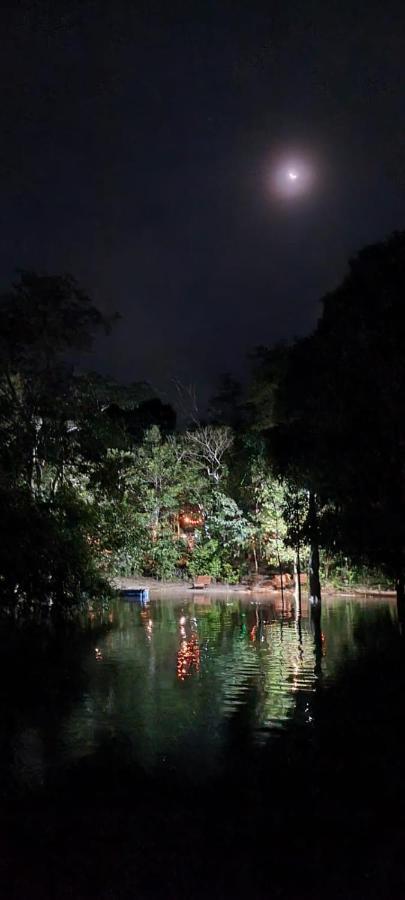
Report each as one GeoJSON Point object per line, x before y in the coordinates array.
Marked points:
{"type": "Point", "coordinates": [207, 446]}
{"type": "Point", "coordinates": [188, 402]}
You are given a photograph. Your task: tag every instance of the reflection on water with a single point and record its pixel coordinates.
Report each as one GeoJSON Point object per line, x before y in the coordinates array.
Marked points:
{"type": "Point", "coordinates": [184, 680]}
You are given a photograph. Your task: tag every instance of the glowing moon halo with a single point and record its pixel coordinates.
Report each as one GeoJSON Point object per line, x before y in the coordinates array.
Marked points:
{"type": "Point", "coordinates": [291, 179]}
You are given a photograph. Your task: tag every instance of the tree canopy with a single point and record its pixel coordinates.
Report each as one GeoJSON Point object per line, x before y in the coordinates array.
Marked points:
{"type": "Point", "coordinates": [97, 479]}
{"type": "Point", "coordinates": [338, 409]}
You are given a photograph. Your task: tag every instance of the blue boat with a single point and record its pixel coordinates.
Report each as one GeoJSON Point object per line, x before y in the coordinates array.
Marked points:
{"type": "Point", "coordinates": [140, 594]}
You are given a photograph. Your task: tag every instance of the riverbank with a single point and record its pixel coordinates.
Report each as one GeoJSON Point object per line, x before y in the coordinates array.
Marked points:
{"type": "Point", "coordinates": [264, 589]}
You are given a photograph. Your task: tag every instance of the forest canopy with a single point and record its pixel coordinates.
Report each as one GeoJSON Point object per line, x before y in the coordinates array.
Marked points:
{"type": "Point", "coordinates": [97, 479]}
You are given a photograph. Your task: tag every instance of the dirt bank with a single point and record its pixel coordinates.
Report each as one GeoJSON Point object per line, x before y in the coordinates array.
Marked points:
{"type": "Point", "coordinates": [173, 587]}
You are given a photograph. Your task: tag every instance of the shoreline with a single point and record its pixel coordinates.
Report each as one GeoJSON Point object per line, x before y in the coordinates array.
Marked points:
{"type": "Point", "coordinates": [170, 587]}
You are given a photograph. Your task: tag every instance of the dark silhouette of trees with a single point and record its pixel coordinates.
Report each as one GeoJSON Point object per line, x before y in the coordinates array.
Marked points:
{"type": "Point", "coordinates": [45, 554]}
{"type": "Point", "coordinates": [44, 320]}
{"type": "Point", "coordinates": [225, 406]}
{"type": "Point", "coordinates": [338, 423]}
{"type": "Point", "coordinates": [149, 412]}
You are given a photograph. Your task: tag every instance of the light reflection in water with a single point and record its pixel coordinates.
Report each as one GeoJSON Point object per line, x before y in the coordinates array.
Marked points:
{"type": "Point", "coordinates": [188, 654]}
{"type": "Point", "coordinates": [176, 678]}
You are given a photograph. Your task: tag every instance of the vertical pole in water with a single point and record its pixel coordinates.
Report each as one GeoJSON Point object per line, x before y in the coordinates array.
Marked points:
{"type": "Point", "coordinates": [315, 584]}
{"type": "Point", "coordinates": [313, 575]}
{"type": "Point", "coordinates": [297, 578]}
{"type": "Point", "coordinates": [297, 598]}
{"type": "Point", "coordinates": [280, 569]}
{"type": "Point", "coordinates": [315, 609]}
{"type": "Point", "coordinates": [313, 566]}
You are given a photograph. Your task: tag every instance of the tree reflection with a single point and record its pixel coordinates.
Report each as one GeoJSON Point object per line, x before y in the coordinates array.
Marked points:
{"type": "Point", "coordinates": [315, 609]}
{"type": "Point", "coordinates": [172, 679]}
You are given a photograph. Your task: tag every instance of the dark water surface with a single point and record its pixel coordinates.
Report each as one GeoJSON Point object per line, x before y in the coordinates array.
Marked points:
{"type": "Point", "coordinates": [200, 744]}
{"type": "Point", "coordinates": [169, 682]}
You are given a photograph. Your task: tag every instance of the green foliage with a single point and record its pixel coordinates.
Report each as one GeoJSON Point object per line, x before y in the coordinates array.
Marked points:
{"type": "Point", "coordinates": [162, 556]}
{"type": "Point", "coordinates": [45, 554]}
{"type": "Point", "coordinates": [205, 559]}
{"type": "Point", "coordinates": [91, 486]}
{"type": "Point", "coordinates": [229, 574]}
{"type": "Point", "coordinates": [339, 571]}
{"type": "Point", "coordinates": [263, 498]}
{"type": "Point", "coordinates": [140, 493]}
{"type": "Point", "coordinates": [226, 522]}
{"type": "Point", "coordinates": [295, 512]}
{"type": "Point", "coordinates": [42, 320]}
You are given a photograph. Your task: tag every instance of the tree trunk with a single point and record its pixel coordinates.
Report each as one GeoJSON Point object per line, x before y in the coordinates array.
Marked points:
{"type": "Point", "coordinates": [315, 620]}
{"type": "Point", "coordinates": [255, 556]}
{"type": "Point", "coordinates": [297, 601]}
{"type": "Point", "coordinates": [280, 569]}
{"type": "Point", "coordinates": [313, 573]}
{"type": "Point", "coordinates": [313, 566]}
{"type": "Point", "coordinates": [297, 577]}
{"type": "Point", "coordinates": [315, 605]}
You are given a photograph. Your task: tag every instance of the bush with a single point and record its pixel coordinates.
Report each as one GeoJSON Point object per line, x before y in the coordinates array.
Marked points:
{"type": "Point", "coordinates": [46, 557]}
{"type": "Point", "coordinates": [229, 574]}
{"type": "Point", "coordinates": [162, 557]}
{"type": "Point", "coordinates": [205, 559]}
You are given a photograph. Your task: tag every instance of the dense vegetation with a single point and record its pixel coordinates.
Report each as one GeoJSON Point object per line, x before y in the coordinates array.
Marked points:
{"type": "Point", "coordinates": [96, 480]}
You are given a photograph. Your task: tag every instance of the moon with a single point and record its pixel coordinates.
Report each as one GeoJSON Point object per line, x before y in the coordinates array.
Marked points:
{"type": "Point", "coordinates": [292, 176]}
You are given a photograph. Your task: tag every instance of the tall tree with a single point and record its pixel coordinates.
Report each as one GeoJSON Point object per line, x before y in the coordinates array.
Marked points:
{"type": "Point", "coordinates": [45, 554]}
{"type": "Point", "coordinates": [44, 321]}
{"type": "Point", "coordinates": [340, 411]}
{"type": "Point", "coordinates": [225, 406]}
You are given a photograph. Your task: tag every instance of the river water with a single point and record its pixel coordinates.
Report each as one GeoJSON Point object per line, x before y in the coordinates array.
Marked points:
{"type": "Point", "coordinates": [203, 746]}
{"type": "Point", "coordinates": [179, 685]}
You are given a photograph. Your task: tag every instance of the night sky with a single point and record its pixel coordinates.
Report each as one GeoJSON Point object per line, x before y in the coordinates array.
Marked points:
{"type": "Point", "coordinates": [137, 147]}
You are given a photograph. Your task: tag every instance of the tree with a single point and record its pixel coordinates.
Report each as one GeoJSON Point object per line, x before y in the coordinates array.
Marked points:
{"type": "Point", "coordinates": [261, 496]}
{"type": "Point", "coordinates": [140, 494]}
{"type": "Point", "coordinates": [44, 320]}
{"type": "Point", "coordinates": [269, 368]}
{"type": "Point", "coordinates": [45, 554]}
{"type": "Point", "coordinates": [207, 446]}
{"type": "Point", "coordinates": [226, 405]}
{"type": "Point", "coordinates": [136, 419]}
{"type": "Point", "coordinates": [340, 411]}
